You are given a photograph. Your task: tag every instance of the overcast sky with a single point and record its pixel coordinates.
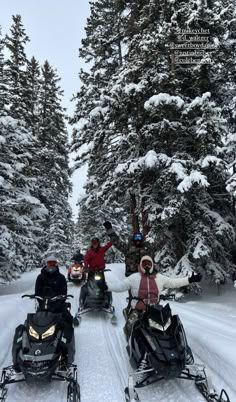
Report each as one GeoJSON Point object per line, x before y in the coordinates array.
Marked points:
{"type": "Point", "coordinates": [55, 29]}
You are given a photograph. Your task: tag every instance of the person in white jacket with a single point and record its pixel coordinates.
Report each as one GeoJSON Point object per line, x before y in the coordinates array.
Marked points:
{"type": "Point", "coordinates": [148, 286]}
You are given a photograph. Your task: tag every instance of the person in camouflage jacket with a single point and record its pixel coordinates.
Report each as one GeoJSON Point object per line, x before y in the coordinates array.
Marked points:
{"type": "Point", "coordinates": [133, 250]}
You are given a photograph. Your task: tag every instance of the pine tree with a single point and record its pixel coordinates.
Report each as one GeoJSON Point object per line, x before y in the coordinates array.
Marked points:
{"type": "Point", "coordinates": [157, 138]}
{"type": "Point", "coordinates": [54, 183]}
{"type": "Point", "coordinates": [16, 66]}
{"type": "Point", "coordinates": [103, 48]}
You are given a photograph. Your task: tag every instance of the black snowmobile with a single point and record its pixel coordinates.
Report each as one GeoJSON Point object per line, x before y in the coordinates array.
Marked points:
{"type": "Point", "coordinates": [93, 298]}
{"type": "Point", "coordinates": [158, 350]}
{"type": "Point", "coordinates": [42, 353]}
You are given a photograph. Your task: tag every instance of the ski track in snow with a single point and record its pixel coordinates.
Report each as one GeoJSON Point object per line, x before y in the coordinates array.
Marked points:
{"type": "Point", "coordinates": [101, 357]}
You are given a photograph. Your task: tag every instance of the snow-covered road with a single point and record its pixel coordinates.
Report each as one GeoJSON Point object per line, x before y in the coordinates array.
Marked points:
{"type": "Point", "coordinates": [103, 367]}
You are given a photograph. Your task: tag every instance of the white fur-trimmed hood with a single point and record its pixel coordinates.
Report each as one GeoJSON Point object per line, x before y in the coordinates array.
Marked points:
{"type": "Point", "coordinates": [141, 269]}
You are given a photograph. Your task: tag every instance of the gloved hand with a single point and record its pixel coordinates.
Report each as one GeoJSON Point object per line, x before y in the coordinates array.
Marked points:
{"type": "Point", "coordinates": [107, 225]}
{"type": "Point", "coordinates": [103, 286]}
{"type": "Point", "coordinates": [195, 278]}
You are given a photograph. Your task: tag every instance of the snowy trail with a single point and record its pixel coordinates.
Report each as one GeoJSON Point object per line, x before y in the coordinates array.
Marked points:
{"type": "Point", "coordinates": [101, 356]}
{"type": "Point", "coordinates": [212, 336]}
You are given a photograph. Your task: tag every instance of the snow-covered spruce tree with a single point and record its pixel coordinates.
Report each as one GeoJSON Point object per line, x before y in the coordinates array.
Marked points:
{"type": "Point", "coordinates": [171, 130]}
{"type": "Point", "coordinates": [59, 234]}
{"type": "Point", "coordinates": [20, 210]}
{"type": "Point", "coordinates": [16, 66]}
{"type": "Point", "coordinates": [103, 49]}
{"type": "Point", "coordinates": [228, 96]}
{"type": "Point", "coordinates": [54, 183]}
{"type": "Point", "coordinates": [31, 94]}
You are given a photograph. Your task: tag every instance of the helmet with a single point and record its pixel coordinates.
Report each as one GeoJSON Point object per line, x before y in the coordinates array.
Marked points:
{"type": "Point", "coordinates": [146, 265]}
{"type": "Point", "coordinates": [137, 236]}
{"type": "Point", "coordinates": [95, 241]}
{"type": "Point", "coordinates": [51, 264]}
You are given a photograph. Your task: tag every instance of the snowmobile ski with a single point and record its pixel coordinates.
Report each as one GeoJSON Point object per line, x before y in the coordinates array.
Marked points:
{"type": "Point", "coordinates": [73, 389]}
{"type": "Point", "coordinates": [130, 392]}
{"type": "Point", "coordinates": [195, 372]}
{"type": "Point", "coordinates": [210, 393]}
{"type": "Point", "coordinates": [10, 376]}
{"type": "Point", "coordinates": [114, 317]}
{"type": "Point", "coordinates": [76, 320]}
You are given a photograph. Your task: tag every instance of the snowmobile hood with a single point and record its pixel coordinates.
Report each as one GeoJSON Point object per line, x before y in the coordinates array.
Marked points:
{"type": "Point", "coordinates": [44, 318]}
{"type": "Point", "coordinates": [141, 269]}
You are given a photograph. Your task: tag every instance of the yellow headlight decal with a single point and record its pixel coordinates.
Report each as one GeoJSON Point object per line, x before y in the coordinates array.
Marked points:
{"type": "Point", "coordinates": [33, 333]}
{"type": "Point", "coordinates": [50, 331]}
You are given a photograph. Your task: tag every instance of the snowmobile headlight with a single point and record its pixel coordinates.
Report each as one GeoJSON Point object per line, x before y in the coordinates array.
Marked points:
{"type": "Point", "coordinates": [50, 331]}
{"type": "Point", "coordinates": [76, 268]}
{"type": "Point", "coordinates": [97, 277]}
{"type": "Point", "coordinates": [33, 333]}
{"type": "Point", "coordinates": [155, 325]}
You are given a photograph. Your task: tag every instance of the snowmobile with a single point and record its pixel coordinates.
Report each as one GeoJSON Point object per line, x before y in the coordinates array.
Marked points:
{"type": "Point", "coordinates": [76, 273]}
{"type": "Point", "coordinates": [158, 350]}
{"type": "Point", "coordinates": [41, 353]}
{"type": "Point", "coordinates": [93, 298]}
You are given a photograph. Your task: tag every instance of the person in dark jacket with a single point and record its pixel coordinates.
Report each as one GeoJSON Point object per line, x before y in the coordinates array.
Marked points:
{"type": "Point", "coordinates": [77, 257]}
{"type": "Point", "coordinates": [133, 250]}
{"type": "Point", "coordinates": [52, 283]}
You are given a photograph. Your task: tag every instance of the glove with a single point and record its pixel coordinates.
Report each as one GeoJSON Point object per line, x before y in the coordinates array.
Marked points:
{"type": "Point", "coordinates": [103, 286]}
{"type": "Point", "coordinates": [107, 225]}
{"type": "Point", "coordinates": [195, 278]}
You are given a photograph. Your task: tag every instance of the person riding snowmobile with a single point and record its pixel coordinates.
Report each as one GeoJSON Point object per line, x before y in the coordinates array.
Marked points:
{"type": "Point", "coordinates": [94, 260]}
{"type": "Point", "coordinates": [77, 257]}
{"type": "Point", "coordinates": [148, 286]}
{"type": "Point", "coordinates": [50, 282]}
{"type": "Point", "coordinates": [95, 257]}
{"type": "Point", "coordinates": [133, 251]}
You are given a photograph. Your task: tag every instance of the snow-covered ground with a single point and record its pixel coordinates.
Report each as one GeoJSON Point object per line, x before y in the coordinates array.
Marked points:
{"type": "Point", "coordinates": [103, 366]}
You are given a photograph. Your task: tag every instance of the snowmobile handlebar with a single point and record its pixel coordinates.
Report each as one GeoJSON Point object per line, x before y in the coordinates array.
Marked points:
{"type": "Point", "coordinates": [98, 270]}
{"type": "Point", "coordinates": [51, 299]}
{"type": "Point", "coordinates": [167, 297]}
{"type": "Point", "coordinates": [155, 296]}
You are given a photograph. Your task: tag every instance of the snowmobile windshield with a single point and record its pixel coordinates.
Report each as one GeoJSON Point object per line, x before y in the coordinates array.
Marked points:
{"type": "Point", "coordinates": [43, 318]}
{"type": "Point", "coordinates": [159, 314]}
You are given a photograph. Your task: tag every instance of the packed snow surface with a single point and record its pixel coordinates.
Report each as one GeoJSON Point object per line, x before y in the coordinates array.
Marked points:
{"type": "Point", "coordinates": [103, 366]}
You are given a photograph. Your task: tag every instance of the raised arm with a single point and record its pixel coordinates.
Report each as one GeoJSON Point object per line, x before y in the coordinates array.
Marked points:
{"type": "Point", "coordinates": [116, 241]}
{"type": "Point", "coordinates": [173, 283]}
{"type": "Point", "coordinates": [107, 246]}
